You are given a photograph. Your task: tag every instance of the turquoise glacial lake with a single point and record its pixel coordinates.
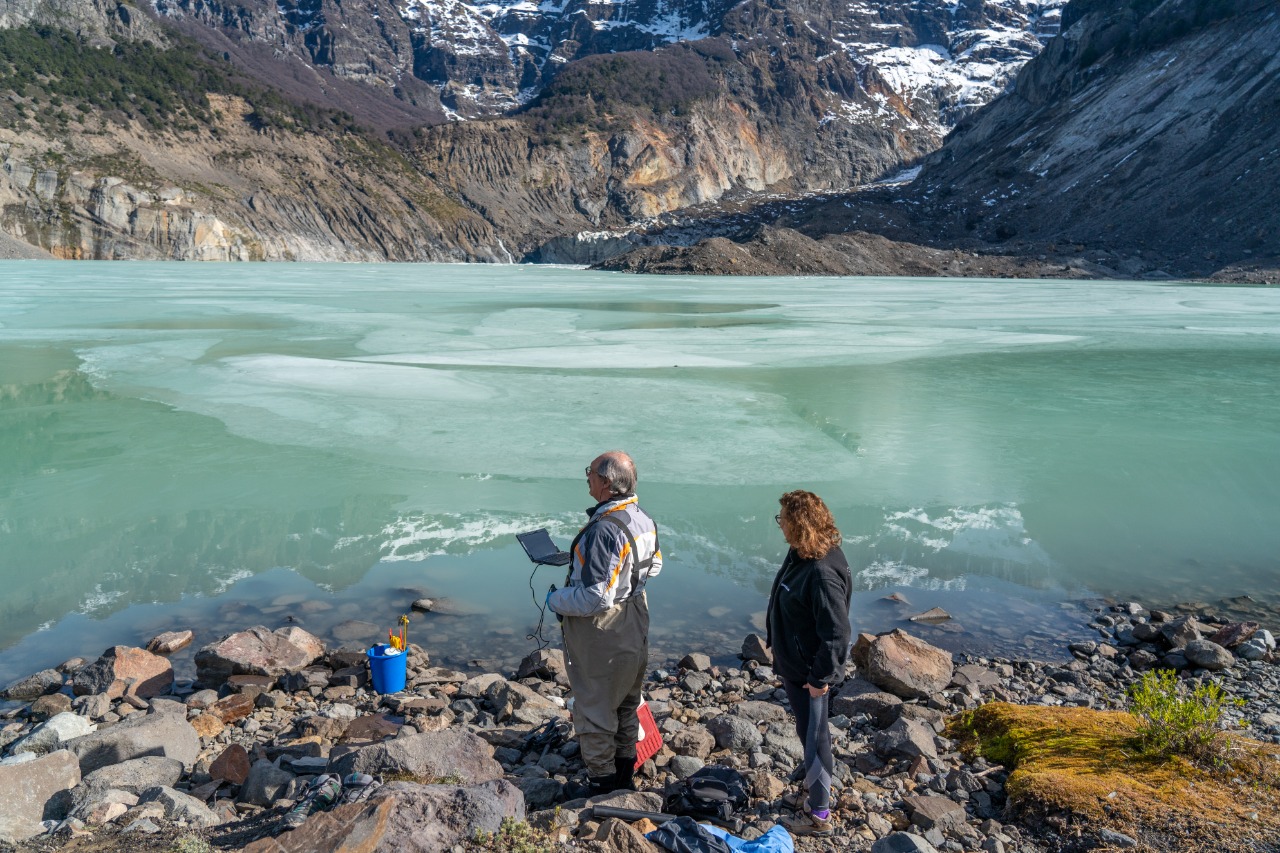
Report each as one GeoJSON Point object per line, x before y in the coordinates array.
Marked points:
{"type": "Point", "coordinates": [212, 446]}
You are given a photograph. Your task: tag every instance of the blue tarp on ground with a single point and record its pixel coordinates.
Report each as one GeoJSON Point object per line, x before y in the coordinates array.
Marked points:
{"type": "Point", "coordinates": [684, 835]}
{"type": "Point", "coordinates": [776, 840]}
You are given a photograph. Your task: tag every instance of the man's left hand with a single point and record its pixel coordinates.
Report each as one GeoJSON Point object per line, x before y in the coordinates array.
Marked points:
{"type": "Point", "coordinates": [815, 692]}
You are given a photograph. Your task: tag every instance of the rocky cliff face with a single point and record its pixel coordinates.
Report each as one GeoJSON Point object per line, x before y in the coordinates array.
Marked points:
{"type": "Point", "coordinates": [941, 59]}
{"type": "Point", "coordinates": [1140, 143]}
{"type": "Point", "coordinates": [1147, 129]}
{"type": "Point", "coordinates": [707, 101]}
{"type": "Point", "coordinates": [231, 192]}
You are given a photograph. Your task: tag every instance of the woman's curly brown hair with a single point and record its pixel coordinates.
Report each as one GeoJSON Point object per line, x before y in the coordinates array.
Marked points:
{"type": "Point", "coordinates": [813, 531]}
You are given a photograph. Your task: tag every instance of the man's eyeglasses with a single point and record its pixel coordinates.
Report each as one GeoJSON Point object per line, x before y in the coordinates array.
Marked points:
{"type": "Point", "coordinates": [778, 518]}
{"type": "Point", "coordinates": [588, 471]}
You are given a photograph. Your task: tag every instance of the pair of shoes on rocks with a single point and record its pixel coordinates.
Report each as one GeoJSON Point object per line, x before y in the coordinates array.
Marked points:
{"type": "Point", "coordinates": [329, 790]}
{"type": "Point", "coordinates": [806, 823]}
{"type": "Point", "coordinates": [320, 795]}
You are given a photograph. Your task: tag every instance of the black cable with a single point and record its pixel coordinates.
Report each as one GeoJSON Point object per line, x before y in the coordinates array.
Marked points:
{"type": "Point", "coordinates": [541, 641]}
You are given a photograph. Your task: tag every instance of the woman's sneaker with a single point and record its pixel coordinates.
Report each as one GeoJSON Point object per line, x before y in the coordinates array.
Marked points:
{"type": "Point", "coordinates": [806, 823]}
{"type": "Point", "coordinates": [319, 796]}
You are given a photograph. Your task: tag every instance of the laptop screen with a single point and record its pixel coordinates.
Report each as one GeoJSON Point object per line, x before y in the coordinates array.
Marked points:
{"type": "Point", "coordinates": [537, 544]}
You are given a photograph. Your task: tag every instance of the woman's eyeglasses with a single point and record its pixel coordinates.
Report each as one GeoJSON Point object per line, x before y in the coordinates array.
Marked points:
{"type": "Point", "coordinates": [778, 519]}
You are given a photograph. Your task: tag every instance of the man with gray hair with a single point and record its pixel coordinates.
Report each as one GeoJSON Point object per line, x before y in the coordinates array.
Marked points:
{"type": "Point", "coordinates": [606, 621]}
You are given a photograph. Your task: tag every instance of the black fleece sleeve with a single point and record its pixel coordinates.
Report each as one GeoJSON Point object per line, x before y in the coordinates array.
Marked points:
{"type": "Point", "coordinates": [831, 622]}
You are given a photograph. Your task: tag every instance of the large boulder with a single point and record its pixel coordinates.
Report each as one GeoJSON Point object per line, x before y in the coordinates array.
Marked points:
{"type": "Point", "coordinates": [257, 651]}
{"type": "Point", "coordinates": [33, 686]}
{"type": "Point", "coordinates": [431, 755]}
{"type": "Point", "coordinates": [404, 817]}
{"type": "Point", "coordinates": [125, 669]}
{"type": "Point", "coordinates": [138, 735]}
{"type": "Point", "coordinates": [28, 790]}
{"type": "Point", "coordinates": [907, 666]}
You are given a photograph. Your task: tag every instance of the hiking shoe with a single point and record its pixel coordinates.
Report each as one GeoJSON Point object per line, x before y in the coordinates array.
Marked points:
{"type": "Point", "coordinates": [319, 796]}
{"type": "Point", "coordinates": [356, 787]}
{"type": "Point", "coordinates": [806, 824]}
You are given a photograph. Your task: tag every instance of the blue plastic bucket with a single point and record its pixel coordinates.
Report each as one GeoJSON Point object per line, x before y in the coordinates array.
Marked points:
{"type": "Point", "coordinates": [387, 668]}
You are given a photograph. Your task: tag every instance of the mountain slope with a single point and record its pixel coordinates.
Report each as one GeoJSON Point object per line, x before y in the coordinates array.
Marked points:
{"type": "Point", "coordinates": [1140, 143]}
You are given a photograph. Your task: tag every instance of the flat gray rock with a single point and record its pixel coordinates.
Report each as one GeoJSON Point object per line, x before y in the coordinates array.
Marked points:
{"type": "Point", "coordinates": [180, 807]}
{"type": "Point", "coordinates": [432, 755]}
{"type": "Point", "coordinates": [28, 788]}
{"type": "Point", "coordinates": [138, 735]}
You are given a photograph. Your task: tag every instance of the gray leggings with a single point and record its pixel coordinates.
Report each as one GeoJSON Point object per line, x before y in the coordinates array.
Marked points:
{"type": "Point", "coordinates": [815, 733]}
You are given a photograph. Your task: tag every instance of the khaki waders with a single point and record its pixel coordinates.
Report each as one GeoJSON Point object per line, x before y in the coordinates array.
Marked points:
{"type": "Point", "coordinates": [607, 655]}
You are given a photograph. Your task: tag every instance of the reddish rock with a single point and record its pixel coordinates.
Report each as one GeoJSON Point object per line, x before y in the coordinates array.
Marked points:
{"type": "Point", "coordinates": [232, 766]}
{"type": "Point", "coordinates": [170, 642]}
{"type": "Point", "coordinates": [907, 666]}
{"type": "Point", "coordinates": [124, 669]}
{"type": "Point", "coordinates": [309, 643]}
{"type": "Point", "coordinates": [257, 651]}
{"type": "Point", "coordinates": [862, 648]}
{"type": "Point", "coordinates": [352, 828]}
{"type": "Point", "coordinates": [237, 706]}
{"type": "Point", "coordinates": [1234, 634]}
{"type": "Point", "coordinates": [370, 727]}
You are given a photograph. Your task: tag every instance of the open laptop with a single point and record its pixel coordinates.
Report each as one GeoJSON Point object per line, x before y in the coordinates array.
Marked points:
{"type": "Point", "coordinates": [538, 545]}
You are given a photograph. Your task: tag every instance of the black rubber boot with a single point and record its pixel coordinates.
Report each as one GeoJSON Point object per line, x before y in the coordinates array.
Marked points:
{"type": "Point", "coordinates": [602, 785]}
{"type": "Point", "coordinates": [625, 772]}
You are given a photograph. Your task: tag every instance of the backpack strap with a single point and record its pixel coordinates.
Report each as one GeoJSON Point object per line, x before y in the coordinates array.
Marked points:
{"type": "Point", "coordinates": [636, 563]}
{"type": "Point", "coordinates": [619, 519]}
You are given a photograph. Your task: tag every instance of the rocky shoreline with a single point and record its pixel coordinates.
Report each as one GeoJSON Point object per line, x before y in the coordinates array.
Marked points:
{"type": "Point", "coordinates": [116, 753]}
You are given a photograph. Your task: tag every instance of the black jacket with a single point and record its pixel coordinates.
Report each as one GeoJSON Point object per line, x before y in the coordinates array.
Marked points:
{"type": "Point", "coordinates": [808, 618]}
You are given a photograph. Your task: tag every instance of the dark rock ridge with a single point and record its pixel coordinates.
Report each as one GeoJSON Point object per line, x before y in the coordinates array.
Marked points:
{"type": "Point", "coordinates": [1139, 144]}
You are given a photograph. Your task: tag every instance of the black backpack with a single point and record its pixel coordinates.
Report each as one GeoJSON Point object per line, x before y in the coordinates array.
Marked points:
{"type": "Point", "coordinates": [713, 792]}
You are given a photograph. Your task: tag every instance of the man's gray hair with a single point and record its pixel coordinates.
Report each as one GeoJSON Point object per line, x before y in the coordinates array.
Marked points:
{"type": "Point", "coordinates": [617, 469]}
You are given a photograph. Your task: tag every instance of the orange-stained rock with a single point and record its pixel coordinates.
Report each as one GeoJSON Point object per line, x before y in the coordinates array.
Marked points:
{"type": "Point", "coordinates": [237, 706]}
{"type": "Point", "coordinates": [207, 725]}
{"type": "Point", "coordinates": [232, 766]}
{"type": "Point", "coordinates": [124, 669]}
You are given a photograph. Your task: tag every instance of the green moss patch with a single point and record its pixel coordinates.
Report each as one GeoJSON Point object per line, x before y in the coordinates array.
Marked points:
{"type": "Point", "coordinates": [1083, 769]}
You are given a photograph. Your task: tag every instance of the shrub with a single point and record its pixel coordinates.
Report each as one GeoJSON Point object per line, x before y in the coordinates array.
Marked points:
{"type": "Point", "coordinates": [514, 837]}
{"type": "Point", "coordinates": [1173, 721]}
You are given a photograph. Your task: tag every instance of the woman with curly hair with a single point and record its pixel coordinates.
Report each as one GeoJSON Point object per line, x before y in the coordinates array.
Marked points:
{"type": "Point", "coordinates": [808, 624]}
